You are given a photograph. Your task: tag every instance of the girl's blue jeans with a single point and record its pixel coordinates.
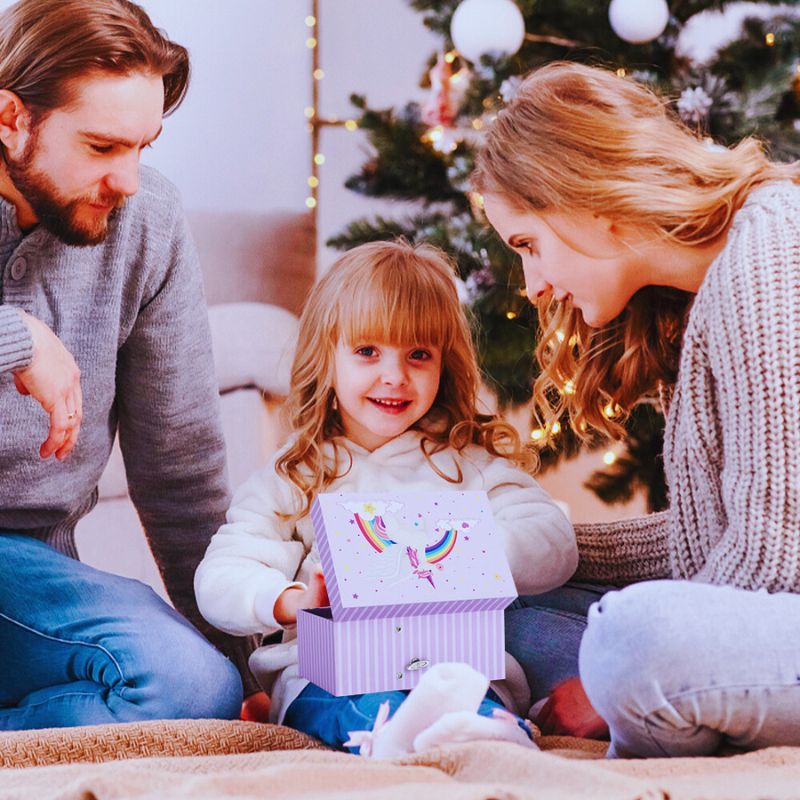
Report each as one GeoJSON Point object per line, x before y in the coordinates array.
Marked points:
{"type": "Point", "coordinates": [330, 718]}
{"type": "Point", "coordinates": [83, 647]}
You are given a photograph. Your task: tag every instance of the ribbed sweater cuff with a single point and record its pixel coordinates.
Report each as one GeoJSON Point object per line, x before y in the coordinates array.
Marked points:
{"type": "Point", "coordinates": [16, 344]}
{"type": "Point", "coordinates": [625, 551]}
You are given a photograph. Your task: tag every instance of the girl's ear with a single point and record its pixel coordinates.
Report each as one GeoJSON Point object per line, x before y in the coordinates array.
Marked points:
{"type": "Point", "coordinates": [15, 123]}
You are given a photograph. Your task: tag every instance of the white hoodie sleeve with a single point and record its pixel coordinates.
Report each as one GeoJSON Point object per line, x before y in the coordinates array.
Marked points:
{"type": "Point", "coordinates": [251, 559]}
{"type": "Point", "coordinates": [539, 539]}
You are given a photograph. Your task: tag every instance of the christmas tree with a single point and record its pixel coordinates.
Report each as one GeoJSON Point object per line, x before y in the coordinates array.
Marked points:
{"type": "Point", "coordinates": [750, 85]}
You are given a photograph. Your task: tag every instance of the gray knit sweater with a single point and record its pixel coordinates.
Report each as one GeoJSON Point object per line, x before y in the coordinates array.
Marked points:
{"type": "Point", "coordinates": [132, 313]}
{"type": "Point", "coordinates": [732, 441]}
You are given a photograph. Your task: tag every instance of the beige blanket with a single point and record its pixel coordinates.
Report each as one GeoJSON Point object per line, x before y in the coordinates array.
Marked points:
{"type": "Point", "coordinates": [465, 772]}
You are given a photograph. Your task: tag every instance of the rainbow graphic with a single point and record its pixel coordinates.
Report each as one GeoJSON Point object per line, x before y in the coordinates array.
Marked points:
{"type": "Point", "coordinates": [436, 552]}
{"type": "Point", "coordinates": [374, 532]}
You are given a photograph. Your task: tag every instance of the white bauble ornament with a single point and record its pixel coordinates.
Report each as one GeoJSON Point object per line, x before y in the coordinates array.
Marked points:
{"type": "Point", "coordinates": [638, 21]}
{"type": "Point", "coordinates": [487, 26]}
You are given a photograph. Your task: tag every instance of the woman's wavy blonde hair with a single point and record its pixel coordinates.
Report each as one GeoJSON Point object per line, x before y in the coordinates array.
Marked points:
{"type": "Point", "coordinates": [403, 295]}
{"type": "Point", "coordinates": [580, 138]}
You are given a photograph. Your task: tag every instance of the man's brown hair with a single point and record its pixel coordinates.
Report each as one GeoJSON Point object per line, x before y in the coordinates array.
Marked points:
{"type": "Point", "coordinates": [46, 44]}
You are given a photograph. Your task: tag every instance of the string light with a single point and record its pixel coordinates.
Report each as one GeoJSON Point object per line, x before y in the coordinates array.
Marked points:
{"type": "Point", "coordinates": [537, 434]}
{"type": "Point", "coordinates": [560, 336]}
{"type": "Point", "coordinates": [609, 457]}
{"type": "Point", "coordinates": [555, 428]}
{"type": "Point", "coordinates": [511, 314]}
{"type": "Point", "coordinates": [621, 73]}
{"type": "Point", "coordinates": [450, 57]}
{"type": "Point", "coordinates": [477, 124]}
{"type": "Point", "coordinates": [315, 121]}
{"type": "Point", "coordinates": [610, 410]}
{"type": "Point", "coordinates": [770, 39]}
{"type": "Point", "coordinates": [569, 387]}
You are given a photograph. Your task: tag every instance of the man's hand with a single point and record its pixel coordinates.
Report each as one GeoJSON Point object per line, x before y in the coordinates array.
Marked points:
{"type": "Point", "coordinates": [291, 600]}
{"type": "Point", "coordinates": [53, 380]}
{"type": "Point", "coordinates": [568, 712]}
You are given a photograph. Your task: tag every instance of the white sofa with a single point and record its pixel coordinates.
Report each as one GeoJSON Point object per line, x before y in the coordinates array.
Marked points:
{"type": "Point", "coordinates": [257, 270]}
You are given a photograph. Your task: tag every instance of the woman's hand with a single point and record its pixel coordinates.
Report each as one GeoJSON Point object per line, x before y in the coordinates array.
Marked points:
{"type": "Point", "coordinates": [293, 599]}
{"type": "Point", "coordinates": [568, 712]}
{"type": "Point", "coordinates": [53, 380]}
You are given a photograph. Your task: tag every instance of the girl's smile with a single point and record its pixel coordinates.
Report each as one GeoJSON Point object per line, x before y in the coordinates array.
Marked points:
{"type": "Point", "coordinates": [382, 390]}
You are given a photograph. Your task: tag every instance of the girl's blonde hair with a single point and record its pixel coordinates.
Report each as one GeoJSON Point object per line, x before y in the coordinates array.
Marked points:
{"type": "Point", "coordinates": [398, 294]}
{"type": "Point", "coordinates": [579, 138]}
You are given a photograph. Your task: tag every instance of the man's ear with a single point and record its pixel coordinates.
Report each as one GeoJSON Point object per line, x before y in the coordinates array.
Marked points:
{"type": "Point", "coordinates": [15, 123]}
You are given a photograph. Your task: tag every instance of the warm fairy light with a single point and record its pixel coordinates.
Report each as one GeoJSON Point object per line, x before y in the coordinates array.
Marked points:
{"type": "Point", "coordinates": [319, 74]}
{"type": "Point", "coordinates": [555, 428]}
{"type": "Point", "coordinates": [313, 182]}
{"type": "Point", "coordinates": [621, 73]}
{"type": "Point", "coordinates": [309, 112]}
{"type": "Point", "coordinates": [311, 43]}
{"type": "Point", "coordinates": [477, 199]}
{"type": "Point", "coordinates": [511, 314]}
{"type": "Point", "coordinates": [573, 340]}
{"type": "Point", "coordinates": [311, 21]}
{"type": "Point", "coordinates": [351, 124]}
{"type": "Point", "coordinates": [610, 410]}
{"type": "Point", "coordinates": [770, 39]}
{"type": "Point", "coordinates": [609, 457]}
{"type": "Point", "coordinates": [477, 124]}
{"type": "Point", "coordinates": [537, 434]}
{"type": "Point", "coordinates": [560, 336]}
{"type": "Point", "coordinates": [311, 202]}
{"type": "Point", "coordinates": [319, 159]}
{"type": "Point", "coordinates": [450, 57]}
{"type": "Point", "coordinates": [569, 387]}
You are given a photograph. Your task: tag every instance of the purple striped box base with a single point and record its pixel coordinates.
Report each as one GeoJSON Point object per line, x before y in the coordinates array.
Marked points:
{"type": "Point", "coordinates": [374, 655]}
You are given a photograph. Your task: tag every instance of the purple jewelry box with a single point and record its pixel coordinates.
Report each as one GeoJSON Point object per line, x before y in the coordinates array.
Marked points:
{"type": "Point", "coordinates": [414, 578]}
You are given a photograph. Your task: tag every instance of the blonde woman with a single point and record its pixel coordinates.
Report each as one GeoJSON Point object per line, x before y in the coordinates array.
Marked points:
{"type": "Point", "coordinates": [383, 397]}
{"type": "Point", "coordinates": [668, 266]}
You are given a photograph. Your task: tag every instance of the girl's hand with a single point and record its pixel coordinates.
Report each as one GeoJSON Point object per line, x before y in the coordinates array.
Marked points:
{"type": "Point", "coordinates": [568, 712]}
{"type": "Point", "coordinates": [293, 599]}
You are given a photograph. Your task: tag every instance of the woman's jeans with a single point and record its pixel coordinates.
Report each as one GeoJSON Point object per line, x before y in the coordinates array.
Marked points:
{"type": "Point", "coordinates": [544, 631]}
{"type": "Point", "coordinates": [84, 647]}
{"type": "Point", "coordinates": [331, 719]}
{"type": "Point", "coordinates": [679, 668]}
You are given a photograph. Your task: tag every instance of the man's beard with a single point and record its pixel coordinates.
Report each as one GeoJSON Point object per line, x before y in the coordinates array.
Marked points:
{"type": "Point", "coordinates": [55, 213]}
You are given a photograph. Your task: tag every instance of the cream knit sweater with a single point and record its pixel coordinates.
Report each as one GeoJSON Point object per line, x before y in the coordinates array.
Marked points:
{"type": "Point", "coordinates": [732, 441]}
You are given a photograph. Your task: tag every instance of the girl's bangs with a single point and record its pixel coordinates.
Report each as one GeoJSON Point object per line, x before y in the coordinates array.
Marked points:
{"type": "Point", "coordinates": [402, 317]}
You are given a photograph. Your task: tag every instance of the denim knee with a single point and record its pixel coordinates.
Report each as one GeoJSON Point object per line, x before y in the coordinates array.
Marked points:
{"type": "Point", "coordinates": [170, 670]}
{"type": "Point", "coordinates": [625, 649]}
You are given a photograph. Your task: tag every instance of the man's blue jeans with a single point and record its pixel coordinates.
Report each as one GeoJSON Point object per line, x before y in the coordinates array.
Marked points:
{"type": "Point", "coordinates": [83, 647]}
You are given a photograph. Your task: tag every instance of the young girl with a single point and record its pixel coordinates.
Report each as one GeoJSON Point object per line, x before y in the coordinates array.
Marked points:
{"type": "Point", "coordinates": [383, 397]}
{"type": "Point", "coordinates": [668, 266]}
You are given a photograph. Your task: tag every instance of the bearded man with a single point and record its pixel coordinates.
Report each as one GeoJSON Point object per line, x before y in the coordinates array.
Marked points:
{"type": "Point", "coordinates": [103, 329]}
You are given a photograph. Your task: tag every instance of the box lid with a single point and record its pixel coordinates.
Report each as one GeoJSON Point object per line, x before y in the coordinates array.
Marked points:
{"type": "Point", "coordinates": [410, 553]}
